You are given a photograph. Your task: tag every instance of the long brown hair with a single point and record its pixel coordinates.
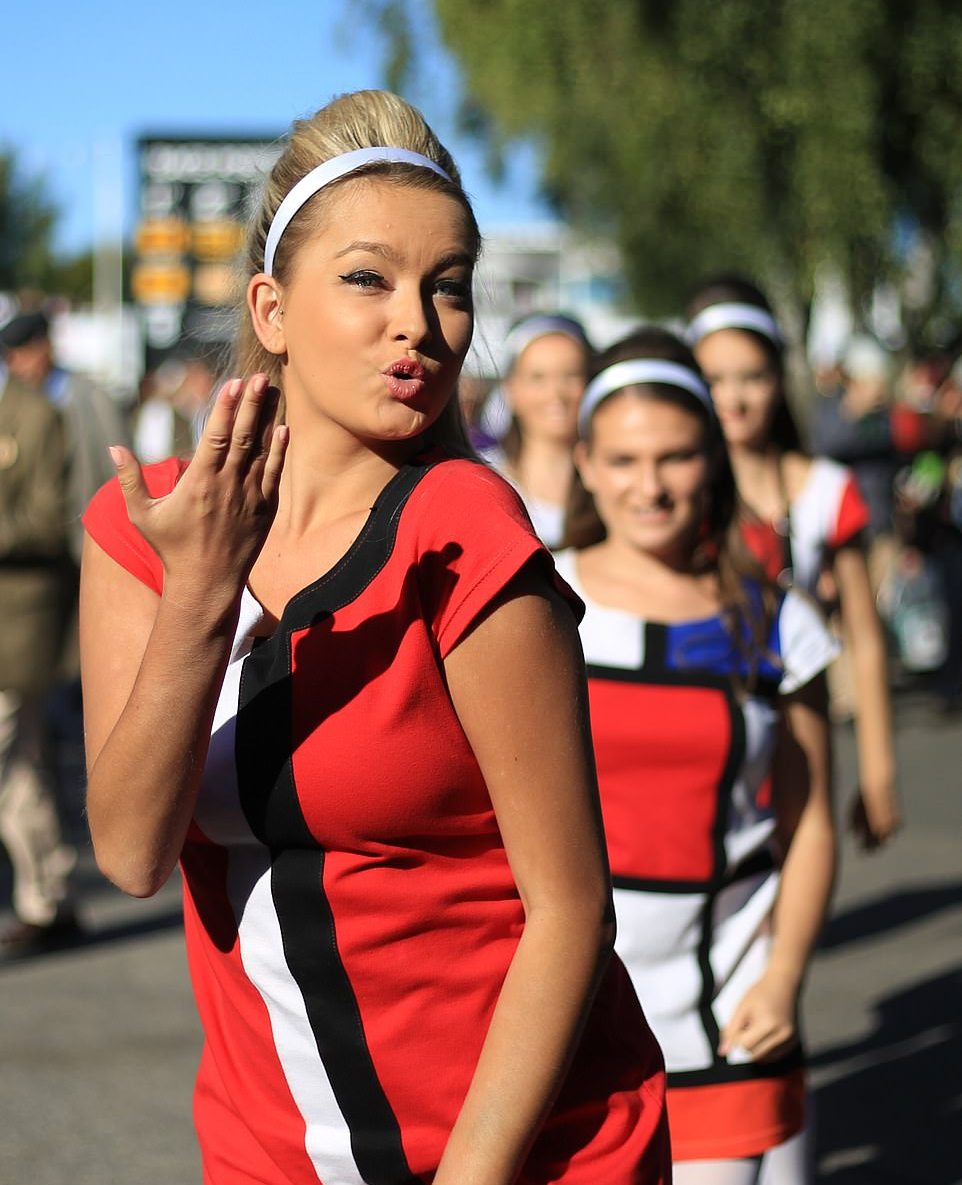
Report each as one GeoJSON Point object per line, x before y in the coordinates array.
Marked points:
{"type": "Point", "coordinates": [748, 599]}
{"type": "Point", "coordinates": [730, 289]}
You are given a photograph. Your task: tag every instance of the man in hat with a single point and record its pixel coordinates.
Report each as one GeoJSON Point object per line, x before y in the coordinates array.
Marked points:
{"type": "Point", "coordinates": [34, 513]}
{"type": "Point", "coordinates": [92, 418]}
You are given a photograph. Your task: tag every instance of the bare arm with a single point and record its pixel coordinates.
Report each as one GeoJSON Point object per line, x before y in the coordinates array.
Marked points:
{"type": "Point", "coordinates": [517, 683]}
{"type": "Point", "coordinates": [764, 1021]}
{"type": "Point", "coordinates": [876, 815]}
{"type": "Point", "coordinates": [153, 666]}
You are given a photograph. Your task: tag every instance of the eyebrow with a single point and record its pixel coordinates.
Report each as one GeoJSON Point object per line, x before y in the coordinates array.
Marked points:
{"type": "Point", "coordinates": [374, 248]}
{"type": "Point", "coordinates": [452, 259]}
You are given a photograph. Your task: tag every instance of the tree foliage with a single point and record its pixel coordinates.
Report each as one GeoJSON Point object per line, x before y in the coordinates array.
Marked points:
{"type": "Point", "coordinates": [27, 220]}
{"type": "Point", "coordinates": [771, 136]}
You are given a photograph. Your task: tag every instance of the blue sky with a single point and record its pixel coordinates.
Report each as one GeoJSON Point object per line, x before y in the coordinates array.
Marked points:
{"type": "Point", "coordinates": [83, 80]}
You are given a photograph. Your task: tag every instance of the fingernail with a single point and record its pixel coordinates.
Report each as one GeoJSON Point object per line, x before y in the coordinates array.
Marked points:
{"type": "Point", "coordinates": [115, 455]}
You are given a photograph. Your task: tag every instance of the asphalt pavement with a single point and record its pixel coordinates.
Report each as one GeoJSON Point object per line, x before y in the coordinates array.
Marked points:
{"type": "Point", "coordinates": [99, 1044]}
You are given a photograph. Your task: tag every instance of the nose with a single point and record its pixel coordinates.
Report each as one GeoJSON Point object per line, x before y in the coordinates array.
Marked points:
{"type": "Point", "coordinates": [648, 478]}
{"type": "Point", "coordinates": [410, 316]}
{"type": "Point", "coordinates": [723, 388]}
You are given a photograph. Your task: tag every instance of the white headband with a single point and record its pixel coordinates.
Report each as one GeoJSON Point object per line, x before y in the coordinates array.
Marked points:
{"type": "Point", "coordinates": [734, 316]}
{"type": "Point", "coordinates": [534, 327]}
{"type": "Point", "coordinates": [639, 370]}
{"type": "Point", "coordinates": [330, 171]}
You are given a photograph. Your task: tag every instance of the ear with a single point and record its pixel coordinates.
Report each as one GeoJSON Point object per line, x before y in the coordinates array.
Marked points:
{"type": "Point", "coordinates": [264, 303]}
{"type": "Point", "coordinates": [582, 459]}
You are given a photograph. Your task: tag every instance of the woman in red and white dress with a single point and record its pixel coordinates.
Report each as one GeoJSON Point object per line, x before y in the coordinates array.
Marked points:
{"type": "Point", "coordinates": [326, 667]}
{"type": "Point", "coordinates": [708, 711]}
{"type": "Point", "coordinates": [804, 516]}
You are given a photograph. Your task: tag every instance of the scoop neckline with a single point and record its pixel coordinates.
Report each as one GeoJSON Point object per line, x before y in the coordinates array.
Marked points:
{"type": "Point", "coordinates": [574, 580]}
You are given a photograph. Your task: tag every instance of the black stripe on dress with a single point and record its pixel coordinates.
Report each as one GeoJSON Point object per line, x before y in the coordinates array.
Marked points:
{"type": "Point", "coordinates": [656, 671]}
{"type": "Point", "coordinates": [269, 798]}
{"type": "Point", "coordinates": [724, 1072]}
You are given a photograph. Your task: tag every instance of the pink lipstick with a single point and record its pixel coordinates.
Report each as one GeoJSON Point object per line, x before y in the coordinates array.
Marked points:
{"type": "Point", "coordinates": [405, 379]}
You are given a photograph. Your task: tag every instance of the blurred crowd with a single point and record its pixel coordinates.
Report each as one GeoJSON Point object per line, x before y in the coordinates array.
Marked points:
{"type": "Point", "coordinates": [895, 423]}
{"type": "Point", "coordinates": [55, 428]}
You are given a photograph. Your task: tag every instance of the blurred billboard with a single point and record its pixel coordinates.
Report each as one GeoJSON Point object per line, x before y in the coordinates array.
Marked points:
{"type": "Point", "coordinates": [196, 194]}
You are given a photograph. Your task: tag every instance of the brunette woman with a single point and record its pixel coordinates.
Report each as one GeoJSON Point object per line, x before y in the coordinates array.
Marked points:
{"type": "Point", "coordinates": [708, 711]}
{"type": "Point", "coordinates": [547, 367]}
{"type": "Point", "coordinates": [804, 517]}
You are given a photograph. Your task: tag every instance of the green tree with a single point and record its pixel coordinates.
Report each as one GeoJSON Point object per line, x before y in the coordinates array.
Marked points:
{"type": "Point", "coordinates": [73, 277]}
{"type": "Point", "coordinates": [769, 136]}
{"type": "Point", "coordinates": [27, 220]}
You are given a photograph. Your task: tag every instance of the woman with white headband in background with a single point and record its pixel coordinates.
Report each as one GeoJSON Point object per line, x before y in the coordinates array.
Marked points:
{"type": "Point", "coordinates": [708, 711]}
{"type": "Point", "coordinates": [547, 360]}
{"type": "Point", "coordinates": [803, 517]}
{"type": "Point", "coordinates": [326, 666]}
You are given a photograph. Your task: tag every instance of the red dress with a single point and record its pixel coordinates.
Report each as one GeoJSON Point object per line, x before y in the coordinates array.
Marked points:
{"type": "Point", "coordinates": [350, 912]}
{"type": "Point", "coordinates": [685, 775]}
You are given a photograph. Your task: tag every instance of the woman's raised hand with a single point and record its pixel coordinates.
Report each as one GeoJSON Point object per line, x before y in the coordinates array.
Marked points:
{"type": "Point", "coordinates": [210, 528]}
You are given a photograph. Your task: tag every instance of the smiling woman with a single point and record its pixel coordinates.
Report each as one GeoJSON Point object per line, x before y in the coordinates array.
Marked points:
{"type": "Point", "coordinates": [706, 689]}
{"type": "Point", "coordinates": [326, 665]}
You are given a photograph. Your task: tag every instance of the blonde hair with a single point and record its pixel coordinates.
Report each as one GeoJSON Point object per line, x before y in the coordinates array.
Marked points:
{"type": "Point", "coordinates": [363, 119]}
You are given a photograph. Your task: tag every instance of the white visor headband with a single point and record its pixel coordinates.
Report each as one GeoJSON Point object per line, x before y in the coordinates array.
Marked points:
{"type": "Point", "coordinates": [530, 330]}
{"type": "Point", "coordinates": [332, 170]}
{"type": "Point", "coordinates": [734, 316]}
{"type": "Point", "coordinates": [639, 370]}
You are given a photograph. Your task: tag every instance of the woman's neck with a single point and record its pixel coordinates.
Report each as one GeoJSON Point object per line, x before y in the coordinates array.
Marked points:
{"type": "Point", "coordinates": [543, 469]}
{"type": "Point", "coordinates": [658, 587]}
{"type": "Point", "coordinates": [759, 478]}
{"type": "Point", "coordinates": [329, 474]}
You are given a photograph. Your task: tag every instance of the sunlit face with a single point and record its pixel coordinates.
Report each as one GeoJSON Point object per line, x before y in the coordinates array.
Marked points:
{"type": "Point", "coordinates": [744, 385]}
{"type": "Point", "coordinates": [546, 385]}
{"type": "Point", "coordinates": [376, 315]}
{"type": "Point", "coordinates": [647, 468]}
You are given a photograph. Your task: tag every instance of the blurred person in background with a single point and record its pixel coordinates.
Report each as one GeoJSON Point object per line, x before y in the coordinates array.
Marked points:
{"type": "Point", "coordinates": [859, 425]}
{"type": "Point", "coordinates": [923, 598]}
{"type": "Point", "coordinates": [35, 602]}
{"type": "Point", "coordinates": [174, 397]}
{"type": "Point", "coordinates": [709, 720]}
{"type": "Point", "coordinates": [803, 517]}
{"type": "Point", "coordinates": [92, 417]}
{"type": "Point", "coordinates": [547, 366]}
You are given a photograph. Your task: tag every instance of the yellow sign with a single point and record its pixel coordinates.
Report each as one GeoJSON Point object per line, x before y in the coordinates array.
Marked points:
{"type": "Point", "coordinates": [217, 239]}
{"type": "Point", "coordinates": [160, 283]}
{"type": "Point", "coordinates": [162, 236]}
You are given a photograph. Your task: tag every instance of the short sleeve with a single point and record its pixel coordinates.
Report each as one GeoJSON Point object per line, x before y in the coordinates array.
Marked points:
{"type": "Point", "coordinates": [806, 645]}
{"type": "Point", "coordinates": [852, 517]}
{"type": "Point", "coordinates": [765, 545]}
{"type": "Point", "coordinates": [107, 523]}
{"type": "Point", "coordinates": [908, 429]}
{"type": "Point", "coordinates": [473, 537]}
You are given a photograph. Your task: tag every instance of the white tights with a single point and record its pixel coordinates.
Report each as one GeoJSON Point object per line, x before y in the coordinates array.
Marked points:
{"type": "Point", "coordinates": [786, 1164]}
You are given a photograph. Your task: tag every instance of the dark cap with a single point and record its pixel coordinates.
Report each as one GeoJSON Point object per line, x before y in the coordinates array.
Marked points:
{"type": "Point", "coordinates": [23, 329]}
